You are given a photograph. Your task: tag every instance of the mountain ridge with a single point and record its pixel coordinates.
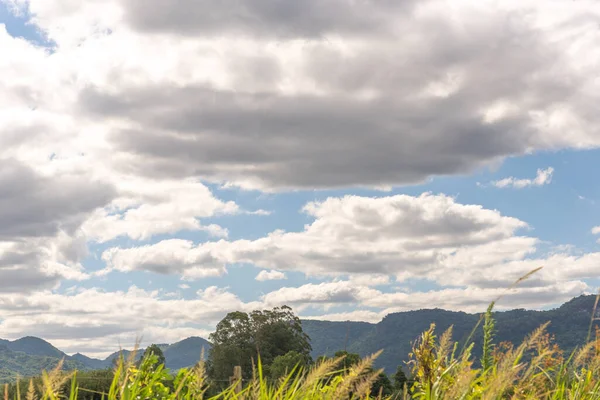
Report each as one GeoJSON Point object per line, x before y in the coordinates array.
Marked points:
{"type": "Point", "coordinates": [569, 323]}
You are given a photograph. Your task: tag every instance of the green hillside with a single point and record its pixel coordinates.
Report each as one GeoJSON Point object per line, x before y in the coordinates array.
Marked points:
{"type": "Point", "coordinates": [16, 363]}
{"type": "Point", "coordinates": [395, 333]}
{"type": "Point", "coordinates": [186, 352]}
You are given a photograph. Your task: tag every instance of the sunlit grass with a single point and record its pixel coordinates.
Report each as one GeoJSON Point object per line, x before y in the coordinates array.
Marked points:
{"type": "Point", "coordinates": [533, 369]}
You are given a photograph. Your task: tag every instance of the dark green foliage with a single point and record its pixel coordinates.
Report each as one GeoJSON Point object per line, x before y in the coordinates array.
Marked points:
{"type": "Point", "coordinates": [240, 337]}
{"type": "Point", "coordinates": [396, 332]}
{"type": "Point", "coordinates": [157, 352]}
{"type": "Point", "coordinates": [400, 379]}
{"type": "Point", "coordinates": [349, 359]}
{"type": "Point", "coordinates": [16, 363]}
{"type": "Point", "coordinates": [382, 385]}
{"type": "Point", "coordinates": [285, 364]}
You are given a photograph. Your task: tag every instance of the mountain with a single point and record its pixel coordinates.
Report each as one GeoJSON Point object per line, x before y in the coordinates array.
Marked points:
{"type": "Point", "coordinates": [35, 346]}
{"type": "Point", "coordinates": [17, 363]}
{"type": "Point", "coordinates": [186, 352]}
{"type": "Point", "coordinates": [91, 363]}
{"type": "Point", "coordinates": [28, 356]}
{"type": "Point", "coordinates": [396, 332]}
{"type": "Point", "coordinates": [178, 355]}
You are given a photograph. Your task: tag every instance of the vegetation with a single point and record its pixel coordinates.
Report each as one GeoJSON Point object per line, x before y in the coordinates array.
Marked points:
{"type": "Point", "coordinates": [535, 369]}
{"type": "Point", "coordinates": [266, 355]}
{"type": "Point", "coordinates": [155, 351]}
{"type": "Point", "coordinates": [240, 337]}
{"type": "Point", "coordinates": [569, 325]}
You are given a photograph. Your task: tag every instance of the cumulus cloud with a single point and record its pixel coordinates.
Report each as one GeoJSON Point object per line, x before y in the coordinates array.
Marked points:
{"type": "Point", "coordinates": [400, 235]}
{"type": "Point", "coordinates": [40, 220]}
{"type": "Point", "coordinates": [174, 256]}
{"type": "Point", "coordinates": [114, 132]}
{"type": "Point", "coordinates": [148, 207]}
{"type": "Point", "coordinates": [275, 95]}
{"type": "Point", "coordinates": [470, 299]}
{"type": "Point", "coordinates": [89, 315]}
{"type": "Point", "coordinates": [272, 275]}
{"type": "Point", "coordinates": [429, 237]}
{"type": "Point", "coordinates": [543, 177]}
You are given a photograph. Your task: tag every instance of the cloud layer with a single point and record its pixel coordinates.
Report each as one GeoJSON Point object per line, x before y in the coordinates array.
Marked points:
{"type": "Point", "coordinates": [112, 136]}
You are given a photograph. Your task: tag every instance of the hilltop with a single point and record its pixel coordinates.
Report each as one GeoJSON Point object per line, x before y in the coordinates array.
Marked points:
{"type": "Point", "coordinates": [569, 324]}
{"type": "Point", "coordinates": [28, 356]}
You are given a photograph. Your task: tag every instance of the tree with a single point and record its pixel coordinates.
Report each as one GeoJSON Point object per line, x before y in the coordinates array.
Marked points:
{"type": "Point", "coordinates": [156, 351]}
{"type": "Point", "coordinates": [383, 385]}
{"type": "Point", "coordinates": [350, 359]}
{"type": "Point", "coordinates": [291, 361]}
{"type": "Point", "coordinates": [400, 379]}
{"type": "Point", "coordinates": [240, 338]}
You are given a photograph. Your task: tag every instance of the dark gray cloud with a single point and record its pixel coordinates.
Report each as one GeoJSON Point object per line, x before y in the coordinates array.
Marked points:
{"type": "Point", "coordinates": [270, 18]}
{"type": "Point", "coordinates": [402, 134]}
{"type": "Point", "coordinates": [32, 205]}
{"type": "Point", "coordinates": [40, 217]}
{"type": "Point", "coordinates": [23, 279]}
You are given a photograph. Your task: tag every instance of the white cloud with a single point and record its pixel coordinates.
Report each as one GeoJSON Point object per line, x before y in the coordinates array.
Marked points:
{"type": "Point", "coordinates": [87, 321]}
{"type": "Point", "coordinates": [115, 131]}
{"type": "Point", "coordinates": [401, 235]}
{"type": "Point", "coordinates": [470, 299]}
{"type": "Point", "coordinates": [174, 256]}
{"type": "Point", "coordinates": [543, 177]}
{"type": "Point", "coordinates": [243, 103]}
{"type": "Point", "coordinates": [148, 207]}
{"type": "Point", "coordinates": [596, 230]}
{"type": "Point", "coordinates": [272, 275]}
{"type": "Point", "coordinates": [429, 237]}
{"type": "Point", "coordinates": [325, 294]}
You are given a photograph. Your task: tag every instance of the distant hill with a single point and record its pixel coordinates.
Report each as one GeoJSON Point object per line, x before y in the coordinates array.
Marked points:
{"type": "Point", "coordinates": [91, 363]}
{"type": "Point", "coordinates": [35, 346]}
{"type": "Point", "coordinates": [28, 356]}
{"type": "Point", "coordinates": [17, 363]}
{"type": "Point", "coordinates": [186, 352]}
{"type": "Point", "coordinates": [395, 333]}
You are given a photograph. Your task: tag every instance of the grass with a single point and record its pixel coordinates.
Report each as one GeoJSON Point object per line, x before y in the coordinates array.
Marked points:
{"type": "Point", "coordinates": [535, 369]}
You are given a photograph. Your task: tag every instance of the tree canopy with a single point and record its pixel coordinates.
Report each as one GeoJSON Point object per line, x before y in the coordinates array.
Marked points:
{"type": "Point", "coordinates": [291, 361]}
{"type": "Point", "coordinates": [154, 349]}
{"type": "Point", "coordinates": [241, 337]}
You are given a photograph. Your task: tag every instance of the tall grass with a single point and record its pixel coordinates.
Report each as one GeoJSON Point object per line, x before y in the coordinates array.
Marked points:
{"type": "Point", "coordinates": [534, 369]}
{"type": "Point", "coordinates": [147, 381]}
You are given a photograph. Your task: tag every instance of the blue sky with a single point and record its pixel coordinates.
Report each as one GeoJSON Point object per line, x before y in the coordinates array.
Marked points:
{"type": "Point", "coordinates": [178, 165]}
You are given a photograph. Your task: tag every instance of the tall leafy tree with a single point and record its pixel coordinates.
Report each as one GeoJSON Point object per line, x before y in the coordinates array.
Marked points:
{"type": "Point", "coordinates": [291, 361]}
{"type": "Point", "coordinates": [157, 352]}
{"type": "Point", "coordinates": [240, 338]}
{"type": "Point", "coordinates": [382, 386]}
{"type": "Point", "coordinates": [400, 379]}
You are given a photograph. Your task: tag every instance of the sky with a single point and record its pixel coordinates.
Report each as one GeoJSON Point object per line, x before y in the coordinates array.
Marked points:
{"type": "Point", "coordinates": [163, 163]}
